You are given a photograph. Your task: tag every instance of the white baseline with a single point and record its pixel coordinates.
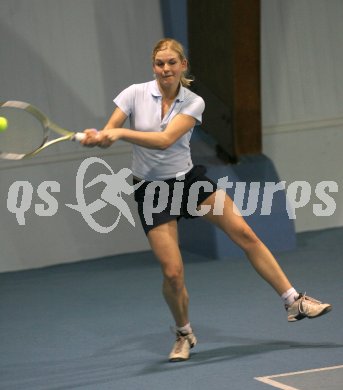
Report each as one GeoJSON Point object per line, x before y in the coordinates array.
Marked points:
{"type": "Point", "coordinates": [269, 381]}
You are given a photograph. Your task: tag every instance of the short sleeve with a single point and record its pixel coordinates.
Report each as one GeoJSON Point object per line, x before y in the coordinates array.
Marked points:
{"type": "Point", "coordinates": [194, 107]}
{"type": "Point", "coordinates": [125, 100]}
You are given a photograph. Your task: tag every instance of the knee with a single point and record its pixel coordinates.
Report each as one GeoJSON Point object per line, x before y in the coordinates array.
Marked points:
{"type": "Point", "coordinates": [174, 279]}
{"type": "Point", "coordinates": [246, 238]}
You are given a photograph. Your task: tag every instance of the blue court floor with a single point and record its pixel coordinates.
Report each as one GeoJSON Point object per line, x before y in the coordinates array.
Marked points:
{"type": "Point", "coordinates": [103, 324]}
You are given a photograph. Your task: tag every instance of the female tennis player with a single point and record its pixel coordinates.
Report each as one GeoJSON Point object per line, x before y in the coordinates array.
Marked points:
{"type": "Point", "coordinates": [163, 113]}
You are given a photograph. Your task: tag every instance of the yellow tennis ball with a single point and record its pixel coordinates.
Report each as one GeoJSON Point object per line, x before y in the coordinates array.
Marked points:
{"type": "Point", "coordinates": [3, 123]}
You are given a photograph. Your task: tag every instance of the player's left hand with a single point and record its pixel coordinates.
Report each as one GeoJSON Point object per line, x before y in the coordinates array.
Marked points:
{"type": "Point", "coordinates": [97, 138]}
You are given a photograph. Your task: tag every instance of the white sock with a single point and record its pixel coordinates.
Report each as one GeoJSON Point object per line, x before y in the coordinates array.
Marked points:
{"type": "Point", "coordinates": [289, 296]}
{"type": "Point", "coordinates": [185, 329]}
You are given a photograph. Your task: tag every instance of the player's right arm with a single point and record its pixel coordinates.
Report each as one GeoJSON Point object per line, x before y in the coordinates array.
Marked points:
{"type": "Point", "coordinates": [116, 120]}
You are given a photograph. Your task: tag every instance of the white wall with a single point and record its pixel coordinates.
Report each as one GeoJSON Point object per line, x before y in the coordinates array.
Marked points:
{"type": "Point", "coordinates": [64, 236]}
{"type": "Point", "coordinates": [70, 58]}
{"type": "Point", "coordinates": [302, 95]}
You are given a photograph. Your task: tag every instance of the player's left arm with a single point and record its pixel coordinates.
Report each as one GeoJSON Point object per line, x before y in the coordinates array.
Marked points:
{"type": "Point", "coordinates": [176, 128]}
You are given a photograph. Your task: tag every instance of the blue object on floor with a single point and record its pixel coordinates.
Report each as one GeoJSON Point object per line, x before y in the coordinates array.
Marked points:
{"type": "Point", "coordinates": [275, 230]}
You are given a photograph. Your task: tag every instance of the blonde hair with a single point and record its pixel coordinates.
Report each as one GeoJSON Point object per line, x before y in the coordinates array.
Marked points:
{"type": "Point", "coordinates": [169, 43]}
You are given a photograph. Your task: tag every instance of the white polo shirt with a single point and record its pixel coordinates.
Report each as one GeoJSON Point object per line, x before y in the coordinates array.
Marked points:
{"type": "Point", "coordinates": [142, 103]}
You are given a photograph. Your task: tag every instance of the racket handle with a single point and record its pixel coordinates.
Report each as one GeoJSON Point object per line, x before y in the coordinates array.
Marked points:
{"type": "Point", "coordinates": [79, 137]}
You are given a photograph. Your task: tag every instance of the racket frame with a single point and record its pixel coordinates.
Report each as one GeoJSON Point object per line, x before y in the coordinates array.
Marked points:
{"type": "Point", "coordinates": [47, 124]}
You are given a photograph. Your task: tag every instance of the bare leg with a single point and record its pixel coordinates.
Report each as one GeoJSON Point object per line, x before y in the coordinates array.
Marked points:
{"type": "Point", "coordinates": [163, 240]}
{"type": "Point", "coordinates": [259, 255]}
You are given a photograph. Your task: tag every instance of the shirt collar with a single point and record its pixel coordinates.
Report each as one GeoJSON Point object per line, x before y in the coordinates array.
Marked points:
{"type": "Point", "coordinates": [156, 92]}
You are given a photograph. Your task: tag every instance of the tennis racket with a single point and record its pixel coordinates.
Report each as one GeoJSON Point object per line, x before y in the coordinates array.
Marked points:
{"type": "Point", "coordinates": [28, 131]}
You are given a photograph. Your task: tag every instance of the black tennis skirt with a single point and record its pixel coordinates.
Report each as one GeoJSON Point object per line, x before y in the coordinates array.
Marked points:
{"type": "Point", "coordinates": [165, 200]}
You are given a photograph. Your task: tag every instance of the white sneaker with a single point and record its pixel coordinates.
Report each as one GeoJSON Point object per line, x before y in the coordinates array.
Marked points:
{"type": "Point", "coordinates": [308, 307]}
{"type": "Point", "coordinates": [182, 346]}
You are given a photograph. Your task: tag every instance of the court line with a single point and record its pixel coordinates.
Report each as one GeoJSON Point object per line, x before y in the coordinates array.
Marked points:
{"type": "Point", "coordinates": [269, 381]}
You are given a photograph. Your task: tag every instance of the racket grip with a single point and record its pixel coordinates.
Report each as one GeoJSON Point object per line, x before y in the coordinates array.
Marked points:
{"type": "Point", "coordinates": [79, 137]}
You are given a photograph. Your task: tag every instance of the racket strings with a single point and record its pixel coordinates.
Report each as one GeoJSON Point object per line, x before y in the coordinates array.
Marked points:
{"type": "Point", "coordinates": [24, 134]}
